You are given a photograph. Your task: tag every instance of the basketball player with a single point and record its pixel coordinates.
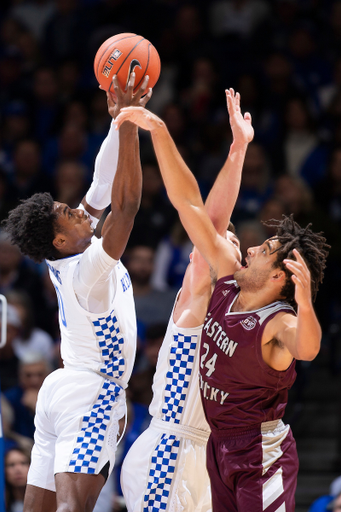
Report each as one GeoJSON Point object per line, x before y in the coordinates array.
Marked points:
{"type": "Point", "coordinates": [79, 406]}
{"type": "Point", "coordinates": [251, 338]}
{"type": "Point", "coordinates": [178, 432]}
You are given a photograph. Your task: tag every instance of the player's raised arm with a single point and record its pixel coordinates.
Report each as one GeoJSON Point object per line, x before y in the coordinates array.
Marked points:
{"type": "Point", "coordinates": [127, 186]}
{"type": "Point", "coordinates": [98, 197]}
{"type": "Point", "coordinates": [302, 334]}
{"type": "Point", "coordinates": [223, 195]}
{"type": "Point", "coordinates": [182, 189]}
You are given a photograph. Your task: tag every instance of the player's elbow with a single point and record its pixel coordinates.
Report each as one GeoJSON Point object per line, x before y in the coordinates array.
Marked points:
{"type": "Point", "coordinates": [127, 206]}
{"type": "Point", "coordinates": [309, 353]}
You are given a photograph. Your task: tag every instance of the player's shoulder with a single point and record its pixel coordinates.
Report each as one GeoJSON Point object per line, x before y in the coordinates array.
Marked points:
{"type": "Point", "coordinates": [279, 321]}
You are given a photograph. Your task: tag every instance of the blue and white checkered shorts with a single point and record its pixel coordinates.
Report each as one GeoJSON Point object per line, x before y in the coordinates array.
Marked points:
{"type": "Point", "coordinates": [76, 425]}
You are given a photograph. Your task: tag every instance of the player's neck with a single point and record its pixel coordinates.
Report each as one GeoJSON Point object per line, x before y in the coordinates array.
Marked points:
{"type": "Point", "coordinates": [72, 252]}
{"type": "Point", "coordinates": [250, 301]}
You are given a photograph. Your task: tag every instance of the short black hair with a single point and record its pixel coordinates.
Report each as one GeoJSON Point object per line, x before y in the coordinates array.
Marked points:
{"type": "Point", "coordinates": [31, 226]}
{"type": "Point", "coordinates": [312, 247]}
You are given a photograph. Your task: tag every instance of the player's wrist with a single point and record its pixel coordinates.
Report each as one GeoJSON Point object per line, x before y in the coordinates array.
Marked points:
{"type": "Point", "coordinates": [239, 146]}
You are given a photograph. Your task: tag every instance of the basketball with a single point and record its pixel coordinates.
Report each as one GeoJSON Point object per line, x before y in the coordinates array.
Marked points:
{"type": "Point", "coordinates": [122, 54]}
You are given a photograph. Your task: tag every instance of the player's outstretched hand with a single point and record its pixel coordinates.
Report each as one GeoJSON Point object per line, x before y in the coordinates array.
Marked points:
{"type": "Point", "coordinates": [139, 116]}
{"type": "Point", "coordinates": [301, 278]}
{"type": "Point", "coordinates": [120, 99]}
{"type": "Point", "coordinates": [241, 126]}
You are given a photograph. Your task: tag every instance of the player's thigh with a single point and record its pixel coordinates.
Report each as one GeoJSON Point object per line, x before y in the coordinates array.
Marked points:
{"type": "Point", "coordinates": [38, 499]}
{"type": "Point", "coordinates": [219, 469]}
{"type": "Point", "coordinates": [85, 413]}
{"type": "Point", "coordinates": [162, 468]}
{"type": "Point", "coordinates": [272, 488]}
{"type": "Point", "coordinates": [41, 472]}
{"type": "Point", "coordinates": [135, 469]}
{"type": "Point", "coordinates": [191, 490]}
{"type": "Point", "coordinates": [77, 492]}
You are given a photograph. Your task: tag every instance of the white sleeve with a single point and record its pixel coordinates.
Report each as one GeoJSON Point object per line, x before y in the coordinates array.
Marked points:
{"type": "Point", "coordinates": [99, 193]}
{"type": "Point", "coordinates": [94, 279]}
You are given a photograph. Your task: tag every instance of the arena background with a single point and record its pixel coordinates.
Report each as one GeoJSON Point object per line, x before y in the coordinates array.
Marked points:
{"type": "Point", "coordinates": [284, 57]}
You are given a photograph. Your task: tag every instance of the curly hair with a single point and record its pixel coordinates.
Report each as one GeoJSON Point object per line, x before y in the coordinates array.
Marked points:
{"type": "Point", "coordinates": [31, 226]}
{"type": "Point", "coordinates": [312, 247]}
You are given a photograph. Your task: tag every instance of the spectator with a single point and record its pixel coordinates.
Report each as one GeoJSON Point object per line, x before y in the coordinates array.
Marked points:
{"type": "Point", "coordinates": [17, 464]}
{"type": "Point", "coordinates": [16, 126]}
{"type": "Point", "coordinates": [152, 306]}
{"type": "Point", "coordinates": [17, 274]}
{"type": "Point", "coordinates": [12, 439]}
{"type": "Point", "coordinates": [9, 363]}
{"type": "Point", "coordinates": [304, 154]}
{"type": "Point", "coordinates": [256, 184]}
{"type": "Point", "coordinates": [171, 259]}
{"type": "Point", "coordinates": [251, 234]}
{"type": "Point", "coordinates": [31, 338]}
{"type": "Point", "coordinates": [156, 215]}
{"type": "Point", "coordinates": [329, 501]}
{"type": "Point", "coordinates": [70, 183]}
{"type": "Point", "coordinates": [335, 505]}
{"type": "Point", "coordinates": [6, 203]}
{"type": "Point", "coordinates": [45, 102]}
{"type": "Point", "coordinates": [34, 15]}
{"type": "Point", "coordinates": [23, 398]}
{"type": "Point", "coordinates": [27, 175]}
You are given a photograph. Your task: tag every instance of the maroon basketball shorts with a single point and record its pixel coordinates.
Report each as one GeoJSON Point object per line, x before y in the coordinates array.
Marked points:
{"type": "Point", "coordinates": [253, 470]}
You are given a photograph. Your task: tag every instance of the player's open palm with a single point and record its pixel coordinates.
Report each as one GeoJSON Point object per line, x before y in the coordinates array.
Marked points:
{"type": "Point", "coordinates": [241, 126]}
{"type": "Point", "coordinates": [301, 278]}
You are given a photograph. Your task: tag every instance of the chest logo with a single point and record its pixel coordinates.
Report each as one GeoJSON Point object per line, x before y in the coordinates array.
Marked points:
{"type": "Point", "coordinates": [249, 323]}
{"type": "Point", "coordinates": [225, 292]}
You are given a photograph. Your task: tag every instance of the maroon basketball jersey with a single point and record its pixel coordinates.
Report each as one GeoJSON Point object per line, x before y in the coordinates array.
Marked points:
{"type": "Point", "coordinates": [238, 389]}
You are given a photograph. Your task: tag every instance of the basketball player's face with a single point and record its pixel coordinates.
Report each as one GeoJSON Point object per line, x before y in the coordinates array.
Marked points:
{"type": "Point", "coordinates": [259, 266]}
{"type": "Point", "coordinates": [75, 224]}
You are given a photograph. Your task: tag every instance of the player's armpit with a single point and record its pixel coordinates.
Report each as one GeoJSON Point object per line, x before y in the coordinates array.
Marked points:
{"type": "Point", "coordinates": [278, 341]}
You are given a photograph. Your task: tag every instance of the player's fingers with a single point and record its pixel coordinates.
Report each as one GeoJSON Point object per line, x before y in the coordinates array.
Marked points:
{"type": "Point", "coordinates": [228, 96]}
{"type": "Point", "coordinates": [133, 114]}
{"type": "Point", "coordinates": [110, 100]}
{"type": "Point", "coordinates": [237, 100]}
{"type": "Point", "coordinates": [296, 280]}
{"type": "Point", "coordinates": [116, 87]}
{"type": "Point", "coordinates": [247, 117]}
{"type": "Point", "coordinates": [299, 257]}
{"type": "Point", "coordinates": [229, 101]}
{"type": "Point", "coordinates": [298, 271]}
{"type": "Point", "coordinates": [147, 97]}
{"type": "Point", "coordinates": [142, 90]}
{"type": "Point", "coordinates": [131, 83]}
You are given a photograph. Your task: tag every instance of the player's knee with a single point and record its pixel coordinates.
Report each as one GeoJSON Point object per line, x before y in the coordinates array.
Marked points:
{"type": "Point", "coordinates": [74, 505]}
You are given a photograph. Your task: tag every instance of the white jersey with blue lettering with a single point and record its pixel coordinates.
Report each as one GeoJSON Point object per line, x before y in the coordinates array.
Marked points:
{"type": "Point", "coordinates": [165, 469]}
{"type": "Point", "coordinates": [79, 406]}
{"type": "Point", "coordinates": [97, 324]}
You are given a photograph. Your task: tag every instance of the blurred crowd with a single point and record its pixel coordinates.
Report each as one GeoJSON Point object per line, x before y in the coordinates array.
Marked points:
{"type": "Point", "coordinates": [283, 56]}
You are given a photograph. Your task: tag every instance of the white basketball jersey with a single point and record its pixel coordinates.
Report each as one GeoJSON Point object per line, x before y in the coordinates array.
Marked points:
{"type": "Point", "coordinates": [176, 394]}
{"type": "Point", "coordinates": [101, 342]}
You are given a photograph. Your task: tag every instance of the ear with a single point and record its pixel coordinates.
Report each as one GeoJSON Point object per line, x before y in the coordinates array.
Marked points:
{"type": "Point", "coordinates": [278, 276]}
{"type": "Point", "coordinates": [59, 241]}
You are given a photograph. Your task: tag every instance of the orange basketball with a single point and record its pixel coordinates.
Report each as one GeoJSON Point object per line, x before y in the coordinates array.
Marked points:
{"type": "Point", "coordinates": [122, 54]}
